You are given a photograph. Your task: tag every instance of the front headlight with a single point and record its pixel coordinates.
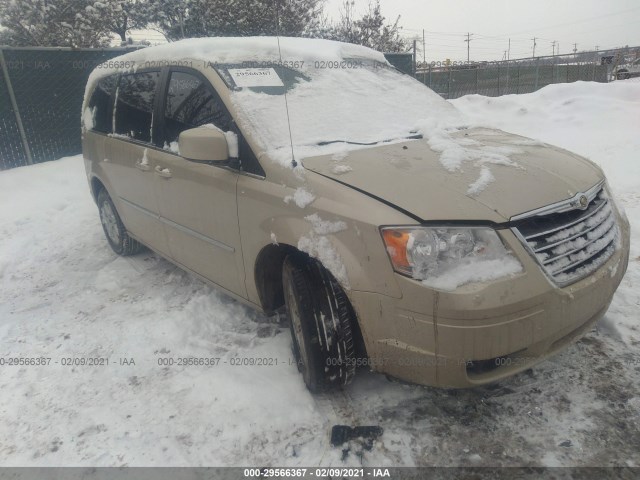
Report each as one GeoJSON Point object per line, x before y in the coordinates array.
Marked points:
{"type": "Point", "coordinates": [449, 257]}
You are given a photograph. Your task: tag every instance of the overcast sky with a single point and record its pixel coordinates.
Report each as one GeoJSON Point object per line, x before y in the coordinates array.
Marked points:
{"type": "Point", "coordinates": [589, 23]}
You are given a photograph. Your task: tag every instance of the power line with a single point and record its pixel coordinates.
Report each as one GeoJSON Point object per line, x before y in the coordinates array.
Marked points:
{"type": "Point", "coordinates": [599, 17]}
{"type": "Point", "coordinates": [456, 34]}
{"type": "Point", "coordinates": [512, 35]}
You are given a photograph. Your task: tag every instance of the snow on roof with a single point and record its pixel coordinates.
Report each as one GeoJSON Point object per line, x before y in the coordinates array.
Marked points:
{"type": "Point", "coordinates": [232, 50]}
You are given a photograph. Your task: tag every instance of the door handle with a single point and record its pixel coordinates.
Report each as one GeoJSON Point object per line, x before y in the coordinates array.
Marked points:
{"type": "Point", "coordinates": [163, 172]}
{"type": "Point", "coordinates": [143, 167]}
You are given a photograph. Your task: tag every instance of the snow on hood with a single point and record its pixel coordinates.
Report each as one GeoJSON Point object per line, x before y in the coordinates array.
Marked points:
{"type": "Point", "coordinates": [411, 175]}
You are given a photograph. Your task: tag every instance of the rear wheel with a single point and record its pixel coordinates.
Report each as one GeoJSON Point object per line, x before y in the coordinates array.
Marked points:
{"type": "Point", "coordinates": [321, 321]}
{"type": "Point", "coordinates": [114, 230]}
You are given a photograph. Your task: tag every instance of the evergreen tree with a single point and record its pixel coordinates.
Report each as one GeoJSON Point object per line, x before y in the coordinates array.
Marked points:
{"type": "Point", "coordinates": [213, 18]}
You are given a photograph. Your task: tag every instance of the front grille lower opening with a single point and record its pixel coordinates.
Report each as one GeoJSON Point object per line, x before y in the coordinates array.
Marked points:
{"type": "Point", "coordinates": [476, 368]}
{"type": "Point", "coordinates": [480, 367]}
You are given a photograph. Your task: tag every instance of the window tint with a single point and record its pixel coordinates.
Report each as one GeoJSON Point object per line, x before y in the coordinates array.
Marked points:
{"type": "Point", "coordinates": [134, 105]}
{"type": "Point", "coordinates": [191, 103]}
{"type": "Point", "coordinates": [100, 104]}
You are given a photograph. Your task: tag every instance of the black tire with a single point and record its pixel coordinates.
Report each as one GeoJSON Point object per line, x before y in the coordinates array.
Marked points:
{"type": "Point", "coordinates": [321, 321]}
{"type": "Point", "coordinates": [114, 230]}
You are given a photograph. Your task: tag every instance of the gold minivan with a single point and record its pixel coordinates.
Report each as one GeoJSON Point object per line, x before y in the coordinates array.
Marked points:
{"type": "Point", "coordinates": [312, 176]}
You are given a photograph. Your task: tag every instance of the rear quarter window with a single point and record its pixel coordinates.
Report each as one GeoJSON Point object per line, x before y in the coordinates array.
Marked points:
{"type": "Point", "coordinates": [100, 104]}
{"type": "Point", "coordinates": [134, 105]}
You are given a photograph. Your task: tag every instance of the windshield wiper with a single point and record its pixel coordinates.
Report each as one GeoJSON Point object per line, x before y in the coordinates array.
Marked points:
{"type": "Point", "coordinates": [410, 137]}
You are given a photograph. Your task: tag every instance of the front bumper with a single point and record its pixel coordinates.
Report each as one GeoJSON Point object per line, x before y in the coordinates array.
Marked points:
{"type": "Point", "coordinates": [485, 332]}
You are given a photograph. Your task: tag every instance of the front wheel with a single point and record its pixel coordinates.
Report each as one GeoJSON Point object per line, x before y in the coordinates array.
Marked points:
{"type": "Point", "coordinates": [321, 321]}
{"type": "Point", "coordinates": [114, 230]}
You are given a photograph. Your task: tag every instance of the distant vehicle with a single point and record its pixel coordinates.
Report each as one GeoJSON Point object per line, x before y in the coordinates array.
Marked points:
{"type": "Point", "coordinates": [300, 182]}
{"type": "Point", "coordinates": [607, 59]}
{"type": "Point", "coordinates": [628, 70]}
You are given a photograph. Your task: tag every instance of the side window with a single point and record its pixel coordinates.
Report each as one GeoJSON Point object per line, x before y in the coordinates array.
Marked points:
{"type": "Point", "coordinates": [134, 105]}
{"type": "Point", "coordinates": [100, 104]}
{"type": "Point", "coordinates": [191, 103]}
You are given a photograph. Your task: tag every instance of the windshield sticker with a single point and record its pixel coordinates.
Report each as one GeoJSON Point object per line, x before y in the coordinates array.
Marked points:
{"type": "Point", "coordinates": [255, 77]}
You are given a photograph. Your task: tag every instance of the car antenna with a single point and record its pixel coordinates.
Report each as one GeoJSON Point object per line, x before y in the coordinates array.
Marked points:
{"type": "Point", "coordinates": [286, 103]}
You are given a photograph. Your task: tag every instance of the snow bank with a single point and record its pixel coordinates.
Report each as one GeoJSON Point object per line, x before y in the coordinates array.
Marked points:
{"type": "Point", "coordinates": [64, 294]}
{"type": "Point", "coordinates": [595, 120]}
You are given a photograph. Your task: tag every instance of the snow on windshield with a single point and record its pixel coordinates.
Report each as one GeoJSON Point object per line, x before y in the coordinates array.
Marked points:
{"type": "Point", "coordinates": [362, 102]}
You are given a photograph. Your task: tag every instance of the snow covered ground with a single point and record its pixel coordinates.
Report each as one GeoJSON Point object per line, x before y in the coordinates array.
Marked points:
{"type": "Point", "coordinates": [64, 294]}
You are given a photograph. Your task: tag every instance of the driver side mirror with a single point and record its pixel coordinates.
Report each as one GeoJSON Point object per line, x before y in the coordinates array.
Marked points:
{"type": "Point", "coordinates": [204, 144]}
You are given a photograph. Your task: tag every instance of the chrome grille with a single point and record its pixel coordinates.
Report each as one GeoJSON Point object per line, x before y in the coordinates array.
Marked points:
{"type": "Point", "coordinates": [570, 244]}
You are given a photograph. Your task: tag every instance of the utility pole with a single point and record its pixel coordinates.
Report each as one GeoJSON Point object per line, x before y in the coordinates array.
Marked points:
{"type": "Point", "coordinates": [415, 56]}
{"type": "Point", "coordinates": [424, 59]}
{"type": "Point", "coordinates": [575, 48]}
{"type": "Point", "coordinates": [553, 45]}
{"type": "Point", "coordinates": [509, 51]}
{"type": "Point", "coordinates": [597, 48]}
{"type": "Point", "coordinates": [468, 40]}
{"type": "Point", "coordinates": [534, 46]}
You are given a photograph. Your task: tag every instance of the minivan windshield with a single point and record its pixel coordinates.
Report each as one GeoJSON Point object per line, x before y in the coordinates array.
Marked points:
{"type": "Point", "coordinates": [332, 106]}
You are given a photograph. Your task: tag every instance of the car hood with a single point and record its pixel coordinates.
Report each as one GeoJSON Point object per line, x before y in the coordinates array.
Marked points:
{"type": "Point", "coordinates": [503, 175]}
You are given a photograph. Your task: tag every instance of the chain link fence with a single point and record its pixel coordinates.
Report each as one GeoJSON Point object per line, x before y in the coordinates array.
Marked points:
{"type": "Point", "coordinates": [41, 91]}
{"type": "Point", "coordinates": [517, 76]}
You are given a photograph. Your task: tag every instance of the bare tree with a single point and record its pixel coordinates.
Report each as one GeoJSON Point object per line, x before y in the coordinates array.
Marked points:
{"type": "Point", "coordinates": [371, 30]}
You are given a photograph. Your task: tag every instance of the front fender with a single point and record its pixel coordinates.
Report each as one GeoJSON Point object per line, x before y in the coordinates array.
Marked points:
{"type": "Point", "coordinates": [340, 228]}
